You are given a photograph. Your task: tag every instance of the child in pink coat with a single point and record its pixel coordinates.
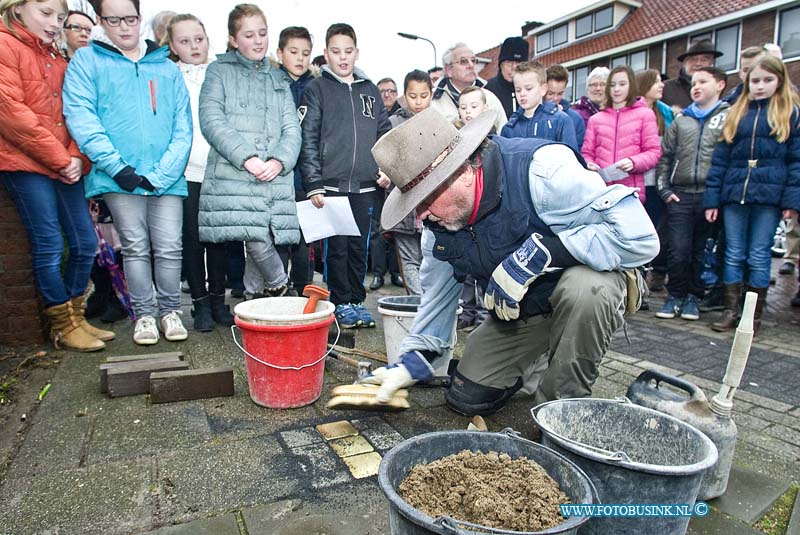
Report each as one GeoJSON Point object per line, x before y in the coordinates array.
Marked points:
{"type": "Point", "coordinates": [624, 134]}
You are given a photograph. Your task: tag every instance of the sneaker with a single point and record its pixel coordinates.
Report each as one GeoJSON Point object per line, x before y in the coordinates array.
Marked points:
{"type": "Point", "coordinates": [690, 310]}
{"type": "Point", "coordinates": [347, 316]}
{"type": "Point", "coordinates": [670, 308]}
{"type": "Point", "coordinates": [366, 317]}
{"type": "Point", "coordinates": [145, 332]}
{"type": "Point", "coordinates": [787, 268]}
{"type": "Point", "coordinates": [172, 327]}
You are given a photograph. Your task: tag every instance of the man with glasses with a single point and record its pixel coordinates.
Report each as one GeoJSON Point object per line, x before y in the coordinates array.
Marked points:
{"type": "Point", "coordinates": [77, 30]}
{"type": "Point", "coordinates": [459, 73]}
{"type": "Point", "coordinates": [388, 91]}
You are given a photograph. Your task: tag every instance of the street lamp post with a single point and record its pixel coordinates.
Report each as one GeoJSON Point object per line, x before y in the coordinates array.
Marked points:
{"type": "Point", "coordinates": [415, 37]}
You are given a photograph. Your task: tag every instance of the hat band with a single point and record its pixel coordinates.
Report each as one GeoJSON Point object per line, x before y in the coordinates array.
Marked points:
{"type": "Point", "coordinates": [428, 170]}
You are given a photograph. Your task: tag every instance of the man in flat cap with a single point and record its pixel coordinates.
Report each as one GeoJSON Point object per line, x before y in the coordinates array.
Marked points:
{"type": "Point", "coordinates": [548, 240]}
{"type": "Point", "coordinates": [677, 91]}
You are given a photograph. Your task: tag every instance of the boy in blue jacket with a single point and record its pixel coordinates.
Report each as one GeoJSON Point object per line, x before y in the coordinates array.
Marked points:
{"type": "Point", "coordinates": [344, 117]}
{"type": "Point", "coordinates": [534, 117]}
{"type": "Point", "coordinates": [557, 80]}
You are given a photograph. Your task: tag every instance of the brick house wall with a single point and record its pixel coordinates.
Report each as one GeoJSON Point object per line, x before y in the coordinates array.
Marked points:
{"type": "Point", "coordinates": [21, 322]}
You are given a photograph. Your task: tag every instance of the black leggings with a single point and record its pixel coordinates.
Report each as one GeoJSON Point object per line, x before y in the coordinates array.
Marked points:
{"type": "Point", "coordinates": [216, 259]}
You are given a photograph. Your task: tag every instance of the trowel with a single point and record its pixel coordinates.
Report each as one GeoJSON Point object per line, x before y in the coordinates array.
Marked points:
{"type": "Point", "coordinates": [714, 418]}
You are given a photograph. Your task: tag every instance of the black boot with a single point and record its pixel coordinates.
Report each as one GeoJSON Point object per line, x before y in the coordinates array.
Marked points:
{"type": "Point", "coordinates": [220, 311]}
{"type": "Point", "coordinates": [114, 311]}
{"type": "Point", "coordinates": [203, 321]}
{"type": "Point", "coordinates": [96, 304]}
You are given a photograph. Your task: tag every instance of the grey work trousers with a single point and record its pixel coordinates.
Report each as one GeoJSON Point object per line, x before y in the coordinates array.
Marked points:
{"type": "Point", "coordinates": [557, 356]}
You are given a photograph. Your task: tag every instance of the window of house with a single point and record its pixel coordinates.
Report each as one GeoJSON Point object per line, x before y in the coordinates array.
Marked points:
{"type": "Point", "coordinates": [789, 32]}
{"type": "Point", "coordinates": [542, 41]}
{"type": "Point", "coordinates": [579, 77]}
{"type": "Point", "coordinates": [726, 41]}
{"type": "Point", "coordinates": [701, 36]}
{"type": "Point", "coordinates": [619, 60]}
{"type": "Point", "coordinates": [560, 35]}
{"type": "Point", "coordinates": [583, 26]}
{"type": "Point", "coordinates": [604, 19]}
{"type": "Point", "coordinates": [638, 61]}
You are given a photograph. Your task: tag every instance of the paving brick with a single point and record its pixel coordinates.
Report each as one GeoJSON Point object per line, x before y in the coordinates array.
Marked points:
{"type": "Point", "coordinates": [715, 523]}
{"type": "Point", "coordinates": [158, 358]}
{"type": "Point", "coordinates": [762, 401]}
{"type": "Point", "coordinates": [627, 368]}
{"type": "Point", "coordinates": [379, 433]}
{"type": "Point", "coordinates": [627, 359]}
{"type": "Point", "coordinates": [134, 379]}
{"type": "Point", "coordinates": [184, 385]}
{"type": "Point", "coordinates": [748, 421]}
{"type": "Point", "coordinates": [295, 438]}
{"type": "Point", "coordinates": [782, 418]}
{"type": "Point", "coordinates": [784, 433]}
{"type": "Point", "coordinates": [145, 357]}
{"type": "Point", "coordinates": [773, 445]}
{"type": "Point", "coordinates": [216, 525]}
{"type": "Point", "coordinates": [320, 466]}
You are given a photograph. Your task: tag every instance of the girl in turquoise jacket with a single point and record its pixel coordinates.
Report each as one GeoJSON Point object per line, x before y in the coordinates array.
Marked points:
{"type": "Point", "coordinates": [128, 109]}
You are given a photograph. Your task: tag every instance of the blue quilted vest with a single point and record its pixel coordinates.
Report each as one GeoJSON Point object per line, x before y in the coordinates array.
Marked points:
{"type": "Point", "coordinates": [506, 218]}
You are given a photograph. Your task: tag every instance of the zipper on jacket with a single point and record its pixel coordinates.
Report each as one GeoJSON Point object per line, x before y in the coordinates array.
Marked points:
{"type": "Point", "coordinates": [751, 163]}
{"type": "Point", "coordinates": [616, 135]}
{"type": "Point", "coordinates": [697, 153]}
{"type": "Point", "coordinates": [355, 138]}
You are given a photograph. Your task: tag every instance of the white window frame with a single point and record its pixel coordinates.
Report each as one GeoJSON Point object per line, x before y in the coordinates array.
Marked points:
{"type": "Point", "coordinates": [553, 43]}
{"type": "Point", "coordinates": [549, 40]}
{"type": "Point", "coordinates": [590, 16]}
{"type": "Point", "coordinates": [594, 19]}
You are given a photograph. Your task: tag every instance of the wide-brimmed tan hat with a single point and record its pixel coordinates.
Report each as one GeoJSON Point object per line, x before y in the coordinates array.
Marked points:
{"type": "Point", "coordinates": [421, 154]}
{"type": "Point", "coordinates": [703, 46]}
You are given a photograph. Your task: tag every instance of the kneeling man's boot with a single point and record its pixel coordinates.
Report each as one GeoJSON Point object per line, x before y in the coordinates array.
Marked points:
{"type": "Point", "coordinates": [730, 316]}
{"type": "Point", "coordinates": [470, 398]}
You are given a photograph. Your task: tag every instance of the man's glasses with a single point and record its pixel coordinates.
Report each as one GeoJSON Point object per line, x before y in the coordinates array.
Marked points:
{"type": "Point", "coordinates": [388, 91]}
{"type": "Point", "coordinates": [597, 85]}
{"type": "Point", "coordinates": [78, 28]}
{"type": "Point", "coordinates": [130, 20]}
{"type": "Point", "coordinates": [466, 61]}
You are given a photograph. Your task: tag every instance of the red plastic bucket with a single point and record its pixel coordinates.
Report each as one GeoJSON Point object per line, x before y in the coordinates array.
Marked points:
{"type": "Point", "coordinates": [284, 350]}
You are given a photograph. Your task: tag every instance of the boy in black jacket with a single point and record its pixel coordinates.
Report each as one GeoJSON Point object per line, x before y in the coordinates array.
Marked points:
{"type": "Point", "coordinates": [344, 118]}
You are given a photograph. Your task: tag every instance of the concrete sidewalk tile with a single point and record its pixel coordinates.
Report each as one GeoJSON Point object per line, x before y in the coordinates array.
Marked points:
{"type": "Point", "coordinates": [751, 422]}
{"type": "Point", "coordinates": [622, 357]}
{"type": "Point", "coordinates": [87, 500]}
{"type": "Point", "coordinates": [186, 385]}
{"type": "Point", "coordinates": [715, 523]}
{"type": "Point", "coordinates": [134, 379]}
{"type": "Point", "coordinates": [351, 513]}
{"type": "Point", "coordinates": [318, 465]}
{"type": "Point", "coordinates": [230, 475]}
{"type": "Point", "coordinates": [147, 430]}
{"type": "Point", "coordinates": [238, 417]}
{"type": "Point", "coordinates": [52, 443]}
{"type": "Point", "coordinates": [749, 494]}
{"type": "Point", "coordinates": [627, 368]}
{"type": "Point", "coordinates": [294, 438]}
{"type": "Point", "coordinates": [215, 525]}
{"type": "Point", "coordinates": [379, 433]}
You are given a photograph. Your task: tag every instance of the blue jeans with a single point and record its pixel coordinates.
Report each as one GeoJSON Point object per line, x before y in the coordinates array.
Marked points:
{"type": "Point", "coordinates": [47, 207]}
{"type": "Point", "coordinates": [150, 225]}
{"type": "Point", "coordinates": [749, 231]}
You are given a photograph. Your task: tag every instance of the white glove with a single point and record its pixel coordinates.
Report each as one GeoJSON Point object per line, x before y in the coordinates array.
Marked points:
{"type": "Point", "coordinates": [411, 367]}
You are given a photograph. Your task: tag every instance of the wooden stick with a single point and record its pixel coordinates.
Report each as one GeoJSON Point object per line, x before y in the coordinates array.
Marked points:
{"type": "Point", "coordinates": [361, 353]}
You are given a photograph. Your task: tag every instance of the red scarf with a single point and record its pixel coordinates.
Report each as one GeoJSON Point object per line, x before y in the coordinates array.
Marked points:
{"type": "Point", "coordinates": [478, 194]}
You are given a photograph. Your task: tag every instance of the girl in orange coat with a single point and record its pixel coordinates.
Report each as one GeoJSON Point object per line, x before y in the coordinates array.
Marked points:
{"type": "Point", "coordinates": [41, 167]}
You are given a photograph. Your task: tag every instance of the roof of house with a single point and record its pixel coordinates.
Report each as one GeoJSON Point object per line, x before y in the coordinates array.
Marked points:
{"type": "Point", "coordinates": [655, 17]}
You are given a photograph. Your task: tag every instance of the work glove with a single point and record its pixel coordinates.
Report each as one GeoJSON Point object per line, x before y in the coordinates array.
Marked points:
{"type": "Point", "coordinates": [410, 368]}
{"type": "Point", "coordinates": [510, 280]}
{"type": "Point", "coordinates": [128, 180]}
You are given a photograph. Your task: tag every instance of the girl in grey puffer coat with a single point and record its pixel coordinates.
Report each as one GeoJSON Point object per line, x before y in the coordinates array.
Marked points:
{"type": "Point", "coordinates": [248, 116]}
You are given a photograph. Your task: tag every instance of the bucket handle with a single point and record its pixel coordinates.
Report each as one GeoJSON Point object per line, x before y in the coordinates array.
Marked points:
{"type": "Point", "coordinates": [449, 524]}
{"type": "Point", "coordinates": [615, 456]}
{"type": "Point", "coordinates": [294, 368]}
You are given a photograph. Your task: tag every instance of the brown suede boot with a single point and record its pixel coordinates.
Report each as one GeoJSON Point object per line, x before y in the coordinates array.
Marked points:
{"type": "Point", "coordinates": [761, 302]}
{"type": "Point", "coordinates": [67, 334]}
{"type": "Point", "coordinates": [79, 313]}
{"type": "Point", "coordinates": [730, 316]}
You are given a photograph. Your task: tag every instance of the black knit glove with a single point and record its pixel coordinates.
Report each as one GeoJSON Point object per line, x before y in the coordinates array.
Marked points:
{"type": "Point", "coordinates": [129, 180]}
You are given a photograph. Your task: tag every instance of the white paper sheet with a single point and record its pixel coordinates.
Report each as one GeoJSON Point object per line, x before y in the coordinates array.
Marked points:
{"type": "Point", "coordinates": [333, 219]}
{"type": "Point", "coordinates": [612, 173]}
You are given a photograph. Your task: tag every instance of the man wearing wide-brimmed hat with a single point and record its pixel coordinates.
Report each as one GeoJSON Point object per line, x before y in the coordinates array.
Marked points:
{"type": "Point", "coordinates": [545, 237]}
{"type": "Point", "coordinates": [677, 91]}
